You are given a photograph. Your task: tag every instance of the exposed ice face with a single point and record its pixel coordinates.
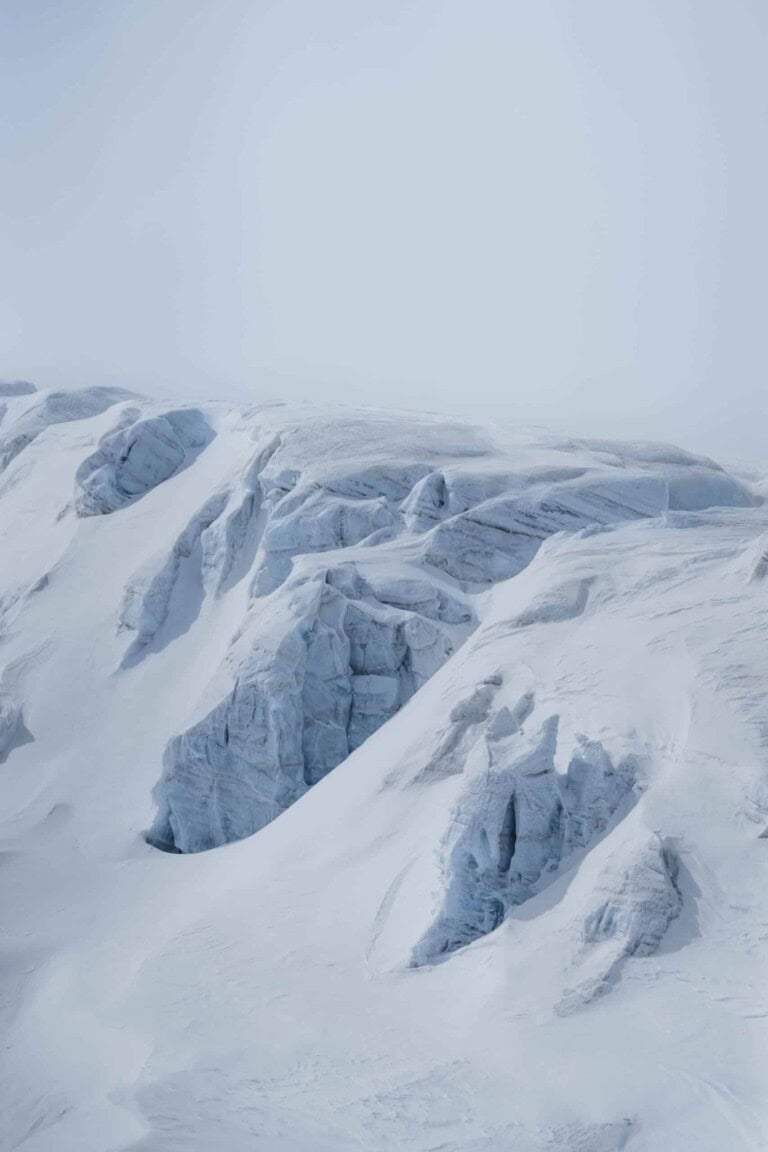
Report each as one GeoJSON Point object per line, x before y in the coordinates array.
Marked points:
{"type": "Point", "coordinates": [340, 510]}
{"type": "Point", "coordinates": [217, 546]}
{"type": "Point", "coordinates": [147, 599]}
{"type": "Point", "coordinates": [515, 821]}
{"type": "Point", "coordinates": [333, 665]}
{"type": "Point", "coordinates": [231, 541]}
{"type": "Point", "coordinates": [138, 456]}
{"type": "Point", "coordinates": [496, 538]}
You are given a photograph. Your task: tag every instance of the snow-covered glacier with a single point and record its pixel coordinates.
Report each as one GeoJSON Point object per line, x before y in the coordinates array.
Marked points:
{"type": "Point", "coordinates": [374, 780]}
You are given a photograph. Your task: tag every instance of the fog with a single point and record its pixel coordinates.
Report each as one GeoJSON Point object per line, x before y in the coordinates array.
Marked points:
{"type": "Point", "coordinates": [535, 211]}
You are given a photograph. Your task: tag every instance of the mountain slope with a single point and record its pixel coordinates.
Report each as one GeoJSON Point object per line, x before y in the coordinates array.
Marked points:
{"type": "Point", "coordinates": [493, 707]}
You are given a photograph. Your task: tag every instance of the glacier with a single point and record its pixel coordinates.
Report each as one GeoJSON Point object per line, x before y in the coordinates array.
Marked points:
{"type": "Point", "coordinates": [342, 659]}
{"type": "Point", "coordinates": [371, 780]}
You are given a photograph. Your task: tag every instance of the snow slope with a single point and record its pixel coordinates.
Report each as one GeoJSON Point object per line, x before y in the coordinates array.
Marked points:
{"type": "Point", "coordinates": [473, 728]}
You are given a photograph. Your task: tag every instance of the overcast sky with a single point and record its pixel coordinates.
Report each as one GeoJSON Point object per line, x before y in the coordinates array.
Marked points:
{"type": "Point", "coordinates": [537, 210]}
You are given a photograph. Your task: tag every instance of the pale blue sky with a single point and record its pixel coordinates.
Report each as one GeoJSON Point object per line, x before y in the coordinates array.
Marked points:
{"type": "Point", "coordinates": [550, 210]}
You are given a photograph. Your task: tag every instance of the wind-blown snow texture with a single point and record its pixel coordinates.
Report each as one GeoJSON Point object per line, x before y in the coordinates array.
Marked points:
{"type": "Point", "coordinates": [517, 686]}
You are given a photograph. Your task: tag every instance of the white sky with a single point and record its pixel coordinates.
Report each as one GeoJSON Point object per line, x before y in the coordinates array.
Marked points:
{"type": "Point", "coordinates": [536, 210]}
